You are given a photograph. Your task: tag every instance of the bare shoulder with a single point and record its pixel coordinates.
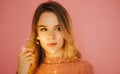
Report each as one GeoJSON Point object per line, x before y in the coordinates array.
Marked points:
{"type": "Point", "coordinates": [84, 67]}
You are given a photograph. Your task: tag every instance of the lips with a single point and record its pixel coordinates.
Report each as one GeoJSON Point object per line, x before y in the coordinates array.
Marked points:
{"type": "Point", "coordinates": [52, 44]}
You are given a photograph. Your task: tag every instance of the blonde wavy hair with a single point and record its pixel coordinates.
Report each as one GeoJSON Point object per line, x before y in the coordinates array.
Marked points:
{"type": "Point", "coordinates": [70, 51]}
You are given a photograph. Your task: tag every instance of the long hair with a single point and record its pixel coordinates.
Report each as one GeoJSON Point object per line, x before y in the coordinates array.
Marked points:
{"type": "Point", "coordinates": [70, 51]}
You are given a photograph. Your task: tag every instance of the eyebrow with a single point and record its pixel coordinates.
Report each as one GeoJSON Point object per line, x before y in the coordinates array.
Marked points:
{"type": "Point", "coordinates": [46, 26]}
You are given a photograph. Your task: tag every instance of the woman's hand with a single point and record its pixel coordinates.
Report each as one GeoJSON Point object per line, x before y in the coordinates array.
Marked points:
{"type": "Point", "coordinates": [25, 60]}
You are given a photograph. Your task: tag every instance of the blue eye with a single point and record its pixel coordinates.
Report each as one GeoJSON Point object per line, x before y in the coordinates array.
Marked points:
{"type": "Point", "coordinates": [43, 29]}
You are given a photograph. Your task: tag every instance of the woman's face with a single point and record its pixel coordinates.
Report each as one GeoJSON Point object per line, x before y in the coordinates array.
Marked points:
{"type": "Point", "coordinates": [49, 33]}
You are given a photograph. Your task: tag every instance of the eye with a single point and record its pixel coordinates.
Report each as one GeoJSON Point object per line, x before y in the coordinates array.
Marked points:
{"type": "Point", "coordinates": [43, 29]}
{"type": "Point", "coordinates": [58, 29]}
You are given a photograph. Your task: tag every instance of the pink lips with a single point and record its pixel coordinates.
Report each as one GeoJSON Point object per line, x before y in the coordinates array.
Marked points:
{"type": "Point", "coordinates": [52, 44]}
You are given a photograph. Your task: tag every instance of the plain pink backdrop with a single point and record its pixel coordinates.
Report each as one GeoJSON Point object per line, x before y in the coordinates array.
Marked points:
{"type": "Point", "coordinates": [96, 25]}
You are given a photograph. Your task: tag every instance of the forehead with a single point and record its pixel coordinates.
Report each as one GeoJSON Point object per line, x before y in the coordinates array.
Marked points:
{"type": "Point", "coordinates": [48, 19]}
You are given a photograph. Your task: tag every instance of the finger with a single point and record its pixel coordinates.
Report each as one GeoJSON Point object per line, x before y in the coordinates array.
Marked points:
{"type": "Point", "coordinates": [25, 51]}
{"type": "Point", "coordinates": [26, 57]}
{"type": "Point", "coordinates": [30, 60]}
{"type": "Point", "coordinates": [28, 54]}
{"type": "Point", "coordinates": [22, 57]}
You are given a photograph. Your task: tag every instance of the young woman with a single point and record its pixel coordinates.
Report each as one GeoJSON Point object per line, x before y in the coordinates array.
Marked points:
{"type": "Point", "coordinates": [51, 49]}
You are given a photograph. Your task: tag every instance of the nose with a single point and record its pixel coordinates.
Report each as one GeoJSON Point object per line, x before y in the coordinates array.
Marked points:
{"type": "Point", "coordinates": [51, 35]}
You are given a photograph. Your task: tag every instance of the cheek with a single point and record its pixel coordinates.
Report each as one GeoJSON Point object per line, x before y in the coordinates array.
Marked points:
{"type": "Point", "coordinates": [60, 38]}
{"type": "Point", "coordinates": [60, 35]}
{"type": "Point", "coordinates": [42, 37]}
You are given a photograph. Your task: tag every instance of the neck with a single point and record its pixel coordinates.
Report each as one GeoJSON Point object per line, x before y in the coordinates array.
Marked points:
{"type": "Point", "coordinates": [54, 54]}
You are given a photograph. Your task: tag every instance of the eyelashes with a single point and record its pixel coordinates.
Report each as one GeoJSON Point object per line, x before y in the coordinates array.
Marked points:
{"type": "Point", "coordinates": [58, 29]}
{"type": "Point", "coordinates": [45, 29]}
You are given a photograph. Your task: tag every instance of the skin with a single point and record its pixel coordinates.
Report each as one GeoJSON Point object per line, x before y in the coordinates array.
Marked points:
{"type": "Point", "coordinates": [50, 39]}
{"type": "Point", "coordinates": [25, 60]}
{"type": "Point", "coordinates": [49, 34]}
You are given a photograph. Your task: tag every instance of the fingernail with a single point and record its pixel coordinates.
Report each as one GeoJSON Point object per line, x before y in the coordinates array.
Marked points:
{"type": "Point", "coordinates": [23, 48]}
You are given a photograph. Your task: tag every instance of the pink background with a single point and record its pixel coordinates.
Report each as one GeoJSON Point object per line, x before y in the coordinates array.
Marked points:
{"type": "Point", "coordinates": [96, 25]}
